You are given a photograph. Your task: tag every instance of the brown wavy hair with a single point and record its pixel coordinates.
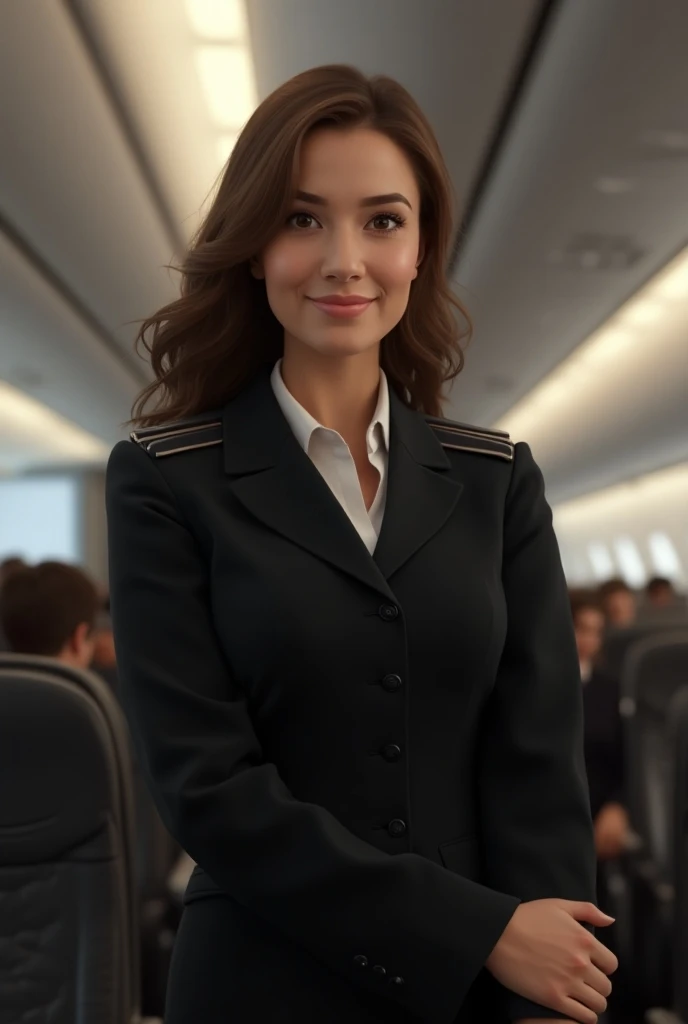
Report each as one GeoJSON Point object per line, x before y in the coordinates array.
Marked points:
{"type": "Point", "coordinates": [208, 344]}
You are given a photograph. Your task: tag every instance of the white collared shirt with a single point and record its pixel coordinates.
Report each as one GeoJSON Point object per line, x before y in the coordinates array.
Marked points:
{"type": "Point", "coordinates": [330, 454]}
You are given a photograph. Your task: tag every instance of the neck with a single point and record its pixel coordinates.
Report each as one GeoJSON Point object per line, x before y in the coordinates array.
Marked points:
{"type": "Point", "coordinates": [339, 392]}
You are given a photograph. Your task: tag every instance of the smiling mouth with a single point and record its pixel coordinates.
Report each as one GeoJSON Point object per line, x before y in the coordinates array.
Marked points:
{"type": "Point", "coordinates": [341, 310]}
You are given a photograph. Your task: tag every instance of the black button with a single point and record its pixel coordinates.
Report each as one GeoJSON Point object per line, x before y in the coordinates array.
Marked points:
{"type": "Point", "coordinates": [360, 960]}
{"type": "Point", "coordinates": [396, 980]}
{"type": "Point", "coordinates": [388, 612]}
{"type": "Point", "coordinates": [379, 969]}
{"type": "Point", "coordinates": [397, 827]}
{"type": "Point", "coordinates": [391, 752]}
{"type": "Point", "coordinates": [392, 682]}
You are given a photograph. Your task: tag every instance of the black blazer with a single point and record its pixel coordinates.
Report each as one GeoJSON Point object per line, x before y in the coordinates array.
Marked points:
{"type": "Point", "coordinates": [603, 740]}
{"type": "Point", "coordinates": [377, 756]}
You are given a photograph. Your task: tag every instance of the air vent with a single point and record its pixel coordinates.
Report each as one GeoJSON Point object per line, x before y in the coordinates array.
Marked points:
{"type": "Point", "coordinates": [593, 252]}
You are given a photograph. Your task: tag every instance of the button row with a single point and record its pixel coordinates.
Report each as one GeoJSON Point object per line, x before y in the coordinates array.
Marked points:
{"type": "Point", "coordinates": [378, 969]}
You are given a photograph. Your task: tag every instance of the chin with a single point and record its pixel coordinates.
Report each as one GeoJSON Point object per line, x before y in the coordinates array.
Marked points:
{"type": "Point", "coordinates": [342, 346]}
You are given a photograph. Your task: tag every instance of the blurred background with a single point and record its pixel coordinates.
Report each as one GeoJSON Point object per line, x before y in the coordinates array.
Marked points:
{"type": "Point", "coordinates": [564, 124]}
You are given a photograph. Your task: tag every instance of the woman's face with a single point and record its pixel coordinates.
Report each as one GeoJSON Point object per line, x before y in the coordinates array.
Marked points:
{"type": "Point", "coordinates": [589, 629]}
{"type": "Point", "coordinates": [353, 231]}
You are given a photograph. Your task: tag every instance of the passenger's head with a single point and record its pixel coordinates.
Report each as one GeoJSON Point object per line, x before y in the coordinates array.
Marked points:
{"type": "Point", "coordinates": [50, 610]}
{"type": "Point", "coordinates": [336, 185]}
{"type": "Point", "coordinates": [9, 566]}
{"type": "Point", "coordinates": [660, 592]}
{"type": "Point", "coordinates": [588, 623]}
{"type": "Point", "coordinates": [619, 603]}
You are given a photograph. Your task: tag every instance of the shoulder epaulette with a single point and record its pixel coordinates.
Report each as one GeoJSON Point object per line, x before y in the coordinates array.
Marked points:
{"type": "Point", "coordinates": [183, 436]}
{"type": "Point", "coordinates": [467, 438]}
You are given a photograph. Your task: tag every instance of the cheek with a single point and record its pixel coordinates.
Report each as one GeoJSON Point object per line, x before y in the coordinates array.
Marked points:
{"type": "Point", "coordinates": [398, 268]}
{"type": "Point", "coordinates": [286, 267]}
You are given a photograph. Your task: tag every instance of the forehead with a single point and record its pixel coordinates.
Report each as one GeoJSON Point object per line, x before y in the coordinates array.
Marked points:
{"type": "Point", "coordinates": [356, 161]}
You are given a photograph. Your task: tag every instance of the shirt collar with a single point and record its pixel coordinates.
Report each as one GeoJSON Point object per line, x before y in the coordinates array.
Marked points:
{"type": "Point", "coordinates": [303, 424]}
{"type": "Point", "coordinates": [586, 671]}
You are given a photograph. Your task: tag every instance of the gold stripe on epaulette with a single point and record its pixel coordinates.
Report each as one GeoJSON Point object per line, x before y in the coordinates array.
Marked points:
{"type": "Point", "coordinates": [178, 439]}
{"type": "Point", "coordinates": [501, 447]}
{"type": "Point", "coordinates": [187, 448]}
{"type": "Point", "coordinates": [466, 428]}
{"type": "Point", "coordinates": [145, 439]}
{"type": "Point", "coordinates": [508, 456]}
{"type": "Point", "coordinates": [473, 432]}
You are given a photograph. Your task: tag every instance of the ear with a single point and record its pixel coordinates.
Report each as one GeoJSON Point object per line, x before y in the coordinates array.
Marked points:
{"type": "Point", "coordinates": [421, 254]}
{"type": "Point", "coordinates": [256, 268]}
{"type": "Point", "coordinates": [80, 637]}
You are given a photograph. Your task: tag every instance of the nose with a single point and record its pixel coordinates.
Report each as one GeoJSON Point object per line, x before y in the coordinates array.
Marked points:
{"type": "Point", "coordinates": [342, 256]}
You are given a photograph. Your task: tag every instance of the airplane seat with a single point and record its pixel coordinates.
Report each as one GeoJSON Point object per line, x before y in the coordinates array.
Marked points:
{"type": "Point", "coordinates": [70, 948]}
{"type": "Point", "coordinates": [619, 640]}
{"type": "Point", "coordinates": [679, 736]}
{"type": "Point", "coordinates": [656, 668]}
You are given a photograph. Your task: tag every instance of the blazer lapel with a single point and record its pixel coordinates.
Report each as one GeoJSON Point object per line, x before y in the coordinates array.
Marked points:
{"type": "Point", "coordinates": [276, 482]}
{"type": "Point", "coordinates": [421, 495]}
{"type": "Point", "coordinates": [274, 479]}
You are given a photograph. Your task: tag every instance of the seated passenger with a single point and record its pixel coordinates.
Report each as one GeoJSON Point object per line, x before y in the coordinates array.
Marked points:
{"type": "Point", "coordinates": [619, 603]}
{"type": "Point", "coordinates": [603, 729]}
{"type": "Point", "coordinates": [660, 593]}
{"type": "Point", "coordinates": [7, 567]}
{"type": "Point", "coordinates": [50, 610]}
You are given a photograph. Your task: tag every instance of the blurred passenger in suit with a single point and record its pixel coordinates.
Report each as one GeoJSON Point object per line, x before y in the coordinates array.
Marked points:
{"type": "Point", "coordinates": [619, 603]}
{"type": "Point", "coordinates": [604, 759]}
{"type": "Point", "coordinates": [50, 610]}
{"type": "Point", "coordinates": [603, 731]}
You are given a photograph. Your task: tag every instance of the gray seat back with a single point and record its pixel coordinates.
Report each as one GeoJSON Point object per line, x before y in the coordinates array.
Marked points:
{"type": "Point", "coordinates": [678, 716]}
{"type": "Point", "coordinates": [656, 668]}
{"type": "Point", "coordinates": [69, 924]}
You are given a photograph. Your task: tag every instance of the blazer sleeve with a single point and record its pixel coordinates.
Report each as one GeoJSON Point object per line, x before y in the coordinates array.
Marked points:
{"type": "Point", "coordinates": [537, 826]}
{"type": "Point", "coordinates": [291, 862]}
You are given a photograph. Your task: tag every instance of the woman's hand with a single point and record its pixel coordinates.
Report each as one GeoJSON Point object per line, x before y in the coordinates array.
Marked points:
{"type": "Point", "coordinates": [611, 831]}
{"type": "Point", "coordinates": [545, 955]}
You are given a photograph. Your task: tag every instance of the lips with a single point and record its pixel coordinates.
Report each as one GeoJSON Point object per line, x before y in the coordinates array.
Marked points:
{"type": "Point", "coordinates": [342, 306]}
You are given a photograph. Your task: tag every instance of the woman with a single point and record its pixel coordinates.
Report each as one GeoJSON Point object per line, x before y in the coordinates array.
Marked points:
{"type": "Point", "coordinates": [341, 621]}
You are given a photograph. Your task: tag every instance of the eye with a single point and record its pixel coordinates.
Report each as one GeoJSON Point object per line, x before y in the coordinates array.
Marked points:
{"type": "Point", "coordinates": [394, 222]}
{"type": "Point", "coordinates": [303, 216]}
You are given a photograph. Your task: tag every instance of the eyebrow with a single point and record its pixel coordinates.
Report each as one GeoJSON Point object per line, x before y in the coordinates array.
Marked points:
{"type": "Point", "coordinates": [389, 197]}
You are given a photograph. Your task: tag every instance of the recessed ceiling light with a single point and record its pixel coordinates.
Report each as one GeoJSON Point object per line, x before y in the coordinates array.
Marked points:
{"type": "Point", "coordinates": [614, 186]}
{"type": "Point", "coordinates": [669, 139]}
{"type": "Point", "coordinates": [217, 19]}
{"type": "Point", "coordinates": [227, 79]}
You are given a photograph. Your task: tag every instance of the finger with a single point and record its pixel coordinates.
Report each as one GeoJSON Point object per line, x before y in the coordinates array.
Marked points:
{"type": "Point", "coordinates": [586, 912]}
{"type": "Point", "coordinates": [598, 980]}
{"type": "Point", "coordinates": [603, 958]}
{"type": "Point", "coordinates": [576, 1011]}
{"type": "Point", "coordinates": [589, 997]}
